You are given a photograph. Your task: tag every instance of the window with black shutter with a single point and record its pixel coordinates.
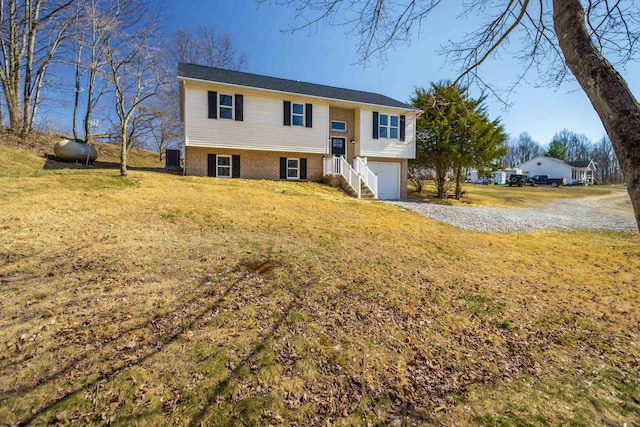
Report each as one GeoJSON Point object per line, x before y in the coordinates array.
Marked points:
{"type": "Point", "coordinates": [235, 166]}
{"type": "Point", "coordinates": [213, 104]}
{"type": "Point", "coordinates": [283, 168]}
{"type": "Point", "coordinates": [211, 165]}
{"type": "Point", "coordinates": [225, 110]}
{"type": "Point", "coordinates": [303, 168]}
{"type": "Point", "coordinates": [375, 124]}
{"type": "Point", "coordinates": [308, 115]}
{"type": "Point", "coordinates": [239, 108]}
{"type": "Point", "coordinates": [287, 113]}
{"type": "Point", "coordinates": [223, 166]}
{"type": "Point", "coordinates": [386, 126]}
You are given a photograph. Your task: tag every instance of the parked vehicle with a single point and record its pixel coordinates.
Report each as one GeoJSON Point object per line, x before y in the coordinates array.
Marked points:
{"type": "Point", "coordinates": [545, 180]}
{"type": "Point", "coordinates": [520, 180]}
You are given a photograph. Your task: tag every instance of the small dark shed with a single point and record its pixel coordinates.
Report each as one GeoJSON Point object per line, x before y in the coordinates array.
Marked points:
{"type": "Point", "coordinates": [172, 159]}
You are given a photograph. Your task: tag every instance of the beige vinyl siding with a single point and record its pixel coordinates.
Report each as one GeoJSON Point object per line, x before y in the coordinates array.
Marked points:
{"type": "Point", "coordinates": [262, 128]}
{"type": "Point", "coordinates": [358, 133]}
{"type": "Point", "coordinates": [383, 147]}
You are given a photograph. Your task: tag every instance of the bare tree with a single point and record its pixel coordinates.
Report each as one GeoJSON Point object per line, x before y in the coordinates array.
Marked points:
{"type": "Point", "coordinates": [578, 146]}
{"type": "Point", "coordinates": [95, 18]}
{"type": "Point", "coordinates": [78, 89]}
{"type": "Point", "coordinates": [202, 45]}
{"type": "Point", "coordinates": [557, 38]}
{"type": "Point", "coordinates": [132, 55]}
{"type": "Point", "coordinates": [418, 174]}
{"type": "Point", "coordinates": [32, 32]}
{"type": "Point", "coordinates": [607, 166]}
{"type": "Point", "coordinates": [521, 149]}
{"type": "Point", "coordinates": [165, 129]}
{"type": "Point", "coordinates": [205, 46]}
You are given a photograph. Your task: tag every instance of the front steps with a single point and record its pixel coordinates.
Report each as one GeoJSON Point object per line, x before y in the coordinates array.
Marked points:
{"type": "Point", "coordinates": [340, 181]}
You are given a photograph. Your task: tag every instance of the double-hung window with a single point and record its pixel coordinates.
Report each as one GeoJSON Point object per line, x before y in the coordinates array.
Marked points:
{"type": "Point", "coordinates": [226, 107]}
{"type": "Point", "coordinates": [388, 126]}
{"type": "Point", "coordinates": [223, 164]}
{"type": "Point", "coordinates": [393, 127]}
{"type": "Point", "coordinates": [297, 114]}
{"type": "Point", "coordinates": [293, 168]}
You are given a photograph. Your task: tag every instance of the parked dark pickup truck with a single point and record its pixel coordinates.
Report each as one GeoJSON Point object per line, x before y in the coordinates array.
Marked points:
{"type": "Point", "coordinates": [545, 180]}
{"type": "Point", "coordinates": [520, 180]}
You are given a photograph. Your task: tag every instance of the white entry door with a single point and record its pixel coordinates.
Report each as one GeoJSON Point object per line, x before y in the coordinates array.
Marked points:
{"type": "Point", "coordinates": [388, 179]}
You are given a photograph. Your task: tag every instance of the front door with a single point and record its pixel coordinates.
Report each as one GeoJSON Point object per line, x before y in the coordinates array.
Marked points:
{"type": "Point", "coordinates": [338, 147]}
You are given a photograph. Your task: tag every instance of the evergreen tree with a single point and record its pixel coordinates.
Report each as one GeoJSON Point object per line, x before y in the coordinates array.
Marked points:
{"type": "Point", "coordinates": [557, 150]}
{"type": "Point", "coordinates": [454, 134]}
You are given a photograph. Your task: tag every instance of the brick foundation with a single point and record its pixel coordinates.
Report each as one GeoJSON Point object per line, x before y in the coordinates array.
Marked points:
{"type": "Point", "coordinates": [253, 164]}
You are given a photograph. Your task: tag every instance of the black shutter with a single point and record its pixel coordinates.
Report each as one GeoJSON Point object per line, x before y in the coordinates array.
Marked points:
{"type": "Point", "coordinates": [375, 125]}
{"type": "Point", "coordinates": [303, 168]}
{"type": "Point", "coordinates": [287, 113]}
{"type": "Point", "coordinates": [239, 108]}
{"type": "Point", "coordinates": [308, 116]}
{"type": "Point", "coordinates": [402, 127]}
{"type": "Point", "coordinates": [235, 166]}
{"type": "Point", "coordinates": [213, 105]}
{"type": "Point", "coordinates": [211, 165]}
{"type": "Point", "coordinates": [283, 168]}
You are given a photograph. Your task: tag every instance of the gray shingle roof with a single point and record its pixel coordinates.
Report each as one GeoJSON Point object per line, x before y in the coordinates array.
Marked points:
{"type": "Point", "coordinates": [580, 163]}
{"type": "Point", "coordinates": [283, 85]}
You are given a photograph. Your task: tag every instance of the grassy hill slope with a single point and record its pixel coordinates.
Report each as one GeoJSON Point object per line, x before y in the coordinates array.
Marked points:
{"type": "Point", "coordinates": [164, 299]}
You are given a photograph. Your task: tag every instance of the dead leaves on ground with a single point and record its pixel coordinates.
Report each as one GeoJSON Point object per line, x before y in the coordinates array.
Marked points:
{"type": "Point", "coordinates": [303, 349]}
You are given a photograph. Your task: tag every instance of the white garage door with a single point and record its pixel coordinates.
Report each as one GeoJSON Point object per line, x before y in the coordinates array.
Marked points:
{"type": "Point", "coordinates": [388, 179]}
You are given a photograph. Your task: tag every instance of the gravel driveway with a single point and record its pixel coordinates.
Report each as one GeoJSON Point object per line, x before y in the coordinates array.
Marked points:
{"type": "Point", "coordinates": [608, 212]}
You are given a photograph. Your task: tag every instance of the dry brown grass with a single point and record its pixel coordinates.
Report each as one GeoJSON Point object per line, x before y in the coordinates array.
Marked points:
{"type": "Point", "coordinates": [180, 300]}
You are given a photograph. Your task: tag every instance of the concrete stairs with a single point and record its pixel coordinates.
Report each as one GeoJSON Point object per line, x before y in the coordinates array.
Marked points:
{"type": "Point", "coordinates": [365, 192]}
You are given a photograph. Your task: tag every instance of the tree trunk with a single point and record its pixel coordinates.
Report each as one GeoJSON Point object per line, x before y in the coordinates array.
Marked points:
{"type": "Point", "coordinates": [14, 108]}
{"type": "Point", "coordinates": [32, 13]}
{"type": "Point", "coordinates": [11, 72]}
{"type": "Point", "coordinates": [606, 89]}
{"type": "Point", "coordinates": [77, 97]}
{"type": "Point", "coordinates": [458, 183]}
{"type": "Point", "coordinates": [91, 102]}
{"type": "Point", "coordinates": [90, 105]}
{"type": "Point", "coordinates": [123, 152]}
{"type": "Point", "coordinates": [441, 179]}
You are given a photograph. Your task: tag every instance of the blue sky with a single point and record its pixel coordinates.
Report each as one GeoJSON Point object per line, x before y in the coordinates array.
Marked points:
{"type": "Point", "coordinates": [327, 55]}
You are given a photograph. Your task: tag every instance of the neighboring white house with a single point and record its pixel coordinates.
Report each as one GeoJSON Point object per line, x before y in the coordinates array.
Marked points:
{"type": "Point", "coordinates": [575, 173]}
{"type": "Point", "coordinates": [257, 127]}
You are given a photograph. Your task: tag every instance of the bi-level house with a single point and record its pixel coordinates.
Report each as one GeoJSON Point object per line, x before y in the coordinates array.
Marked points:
{"type": "Point", "coordinates": [241, 125]}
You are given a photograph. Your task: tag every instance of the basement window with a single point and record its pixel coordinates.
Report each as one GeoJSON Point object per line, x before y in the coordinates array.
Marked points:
{"type": "Point", "coordinates": [224, 166]}
{"type": "Point", "coordinates": [293, 168]}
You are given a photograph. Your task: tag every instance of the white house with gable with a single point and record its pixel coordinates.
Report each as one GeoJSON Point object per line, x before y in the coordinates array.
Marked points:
{"type": "Point", "coordinates": [241, 125]}
{"type": "Point", "coordinates": [575, 173]}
